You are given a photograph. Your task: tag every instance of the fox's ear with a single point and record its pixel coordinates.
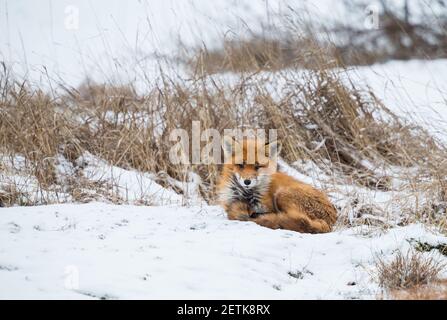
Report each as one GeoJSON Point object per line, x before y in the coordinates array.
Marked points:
{"type": "Point", "coordinates": [274, 149]}
{"type": "Point", "coordinates": [227, 145]}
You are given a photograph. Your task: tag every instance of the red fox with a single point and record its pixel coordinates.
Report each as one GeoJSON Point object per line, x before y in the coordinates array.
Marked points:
{"type": "Point", "coordinates": [255, 191]}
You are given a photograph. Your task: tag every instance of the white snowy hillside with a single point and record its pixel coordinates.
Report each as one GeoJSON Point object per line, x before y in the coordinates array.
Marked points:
{"type": "Point", "coordinates": [177, 247]}
{"type": "Point", "coordinates": [101, 251]}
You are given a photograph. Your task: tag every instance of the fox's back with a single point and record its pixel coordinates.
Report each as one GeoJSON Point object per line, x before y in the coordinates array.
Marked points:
{"type": "Point", "coordinates": [284, 188]}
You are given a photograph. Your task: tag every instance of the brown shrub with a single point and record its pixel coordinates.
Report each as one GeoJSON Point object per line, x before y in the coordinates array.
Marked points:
{"type": "Point", "coordinates": [30, 126]}
{"type": "Point", "coordinates": [346, 131]}
{"type": "Point", "coordinates": [407, 271]}
{"type": "Point", "coordinates": [436, 290]}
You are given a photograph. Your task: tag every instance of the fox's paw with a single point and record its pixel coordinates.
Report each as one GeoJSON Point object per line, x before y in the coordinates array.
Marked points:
{"type": "Point", "coordinates": [257, 214]}
{"type": "Point", "coordinates": [243, 217]}
{"type": "Point", "coordinates": [239, 216]}
{"type": "Point", "coordinates": [257, 211]}
{"type": "Point", "coordinates": [238, 211]}
{"type": "Point", "coordinates": [267, 220]}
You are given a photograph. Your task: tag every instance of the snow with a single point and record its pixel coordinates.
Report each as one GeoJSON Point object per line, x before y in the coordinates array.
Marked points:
{"type": "Point", "coordinates": [122, 185]}
{"type": "Point", "coordinates": [129, 185]}
{"type": "Point", "coordinates": [98, 250]}
{"type": "Point", "coordinates": [415, 89]}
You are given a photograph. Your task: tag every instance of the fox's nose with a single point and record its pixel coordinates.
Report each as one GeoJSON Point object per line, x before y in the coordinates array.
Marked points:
{"type": "Point", "coordinates": [247, 182]}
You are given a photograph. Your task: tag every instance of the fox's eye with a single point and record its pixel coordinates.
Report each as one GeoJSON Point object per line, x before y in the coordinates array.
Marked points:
{"type": "Point", "coordinates": [258, 166]}
{"type": "Point", "coordinates": [241, 165]}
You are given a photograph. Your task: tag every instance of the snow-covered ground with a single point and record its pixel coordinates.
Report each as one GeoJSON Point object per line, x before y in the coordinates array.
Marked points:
{"type": "Point", "coordinates": [98, 250]}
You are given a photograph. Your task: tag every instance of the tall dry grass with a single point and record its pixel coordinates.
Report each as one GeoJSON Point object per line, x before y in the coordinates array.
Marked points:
{"type": "Point", "coordinates": [407, 271]}
{"type": "Point", "coordinates": [346, 131]}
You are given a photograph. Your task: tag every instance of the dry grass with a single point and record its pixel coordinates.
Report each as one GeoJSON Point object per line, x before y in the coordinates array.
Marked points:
{"type": "Point", "coordinates": [320, 117]}
{"type": "Point", "coordinates": [436, 290]}
{"type": "Point", "coordinates": [30, 126]}
{"type": "Point", "coordinates": [10, 196]}
{"type": "Point", "coordinates": [259, 53]}
{"type": "Point", "coordinates": [346, 128]}
{"type": "Point", "coordinates": [401, 34]}
{"type": "Point", "coordinates": [406, 271]}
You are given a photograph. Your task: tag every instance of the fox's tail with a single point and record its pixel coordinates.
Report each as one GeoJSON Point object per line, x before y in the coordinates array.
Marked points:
{"type": "Point", "coordinates": [293, 220]}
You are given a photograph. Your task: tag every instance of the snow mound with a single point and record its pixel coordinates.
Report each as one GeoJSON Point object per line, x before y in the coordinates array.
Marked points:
{"type": "Point", "coordinates": [104, 251]}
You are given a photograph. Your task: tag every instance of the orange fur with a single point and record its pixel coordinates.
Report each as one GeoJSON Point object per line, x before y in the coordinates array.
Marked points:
{"type": "Point", "coordinates": [286, 202]}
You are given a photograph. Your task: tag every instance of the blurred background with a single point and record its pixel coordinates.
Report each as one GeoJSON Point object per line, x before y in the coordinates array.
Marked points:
{"type": "Point", "coordinates": [68, 41]}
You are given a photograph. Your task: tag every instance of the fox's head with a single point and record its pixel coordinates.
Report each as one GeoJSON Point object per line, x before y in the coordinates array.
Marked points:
{"type": "Point", "coordinates": [250, 162]}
